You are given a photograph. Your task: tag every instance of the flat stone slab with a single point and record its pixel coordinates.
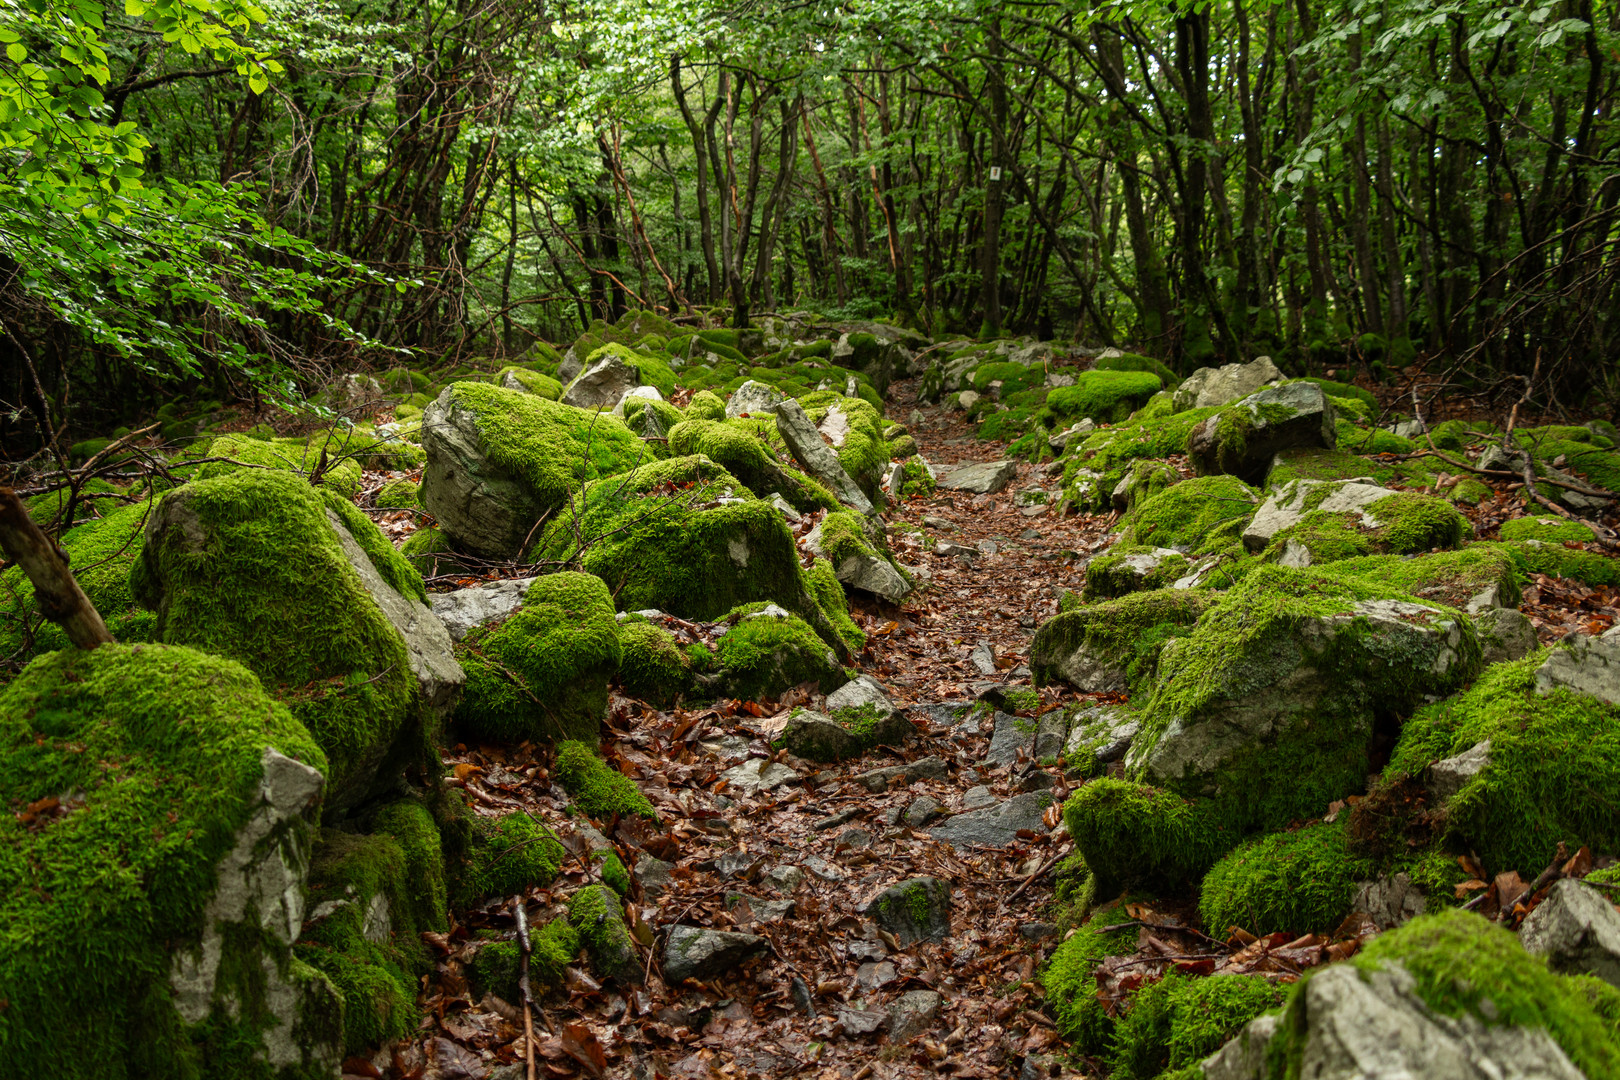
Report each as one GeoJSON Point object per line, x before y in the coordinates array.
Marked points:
{"type": "Point", "coordinates": [983, 478]}
{"type": "Point", "coordinates": [757, 774]}
{"type": "Point", "coordinates": [1012, 734]}
{"type": "Point", "coordinates": [998, 825]}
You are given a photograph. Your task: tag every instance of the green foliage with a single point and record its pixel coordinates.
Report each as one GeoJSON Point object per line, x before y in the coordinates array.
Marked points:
{"type": "Point", "coordinates": [156, 753]}
{"type": "Point", "coordinates": [597, 789]}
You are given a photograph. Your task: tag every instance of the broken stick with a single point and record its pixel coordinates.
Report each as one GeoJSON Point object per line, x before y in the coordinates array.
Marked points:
{"type": "Point", "coordinates": [55, 589]}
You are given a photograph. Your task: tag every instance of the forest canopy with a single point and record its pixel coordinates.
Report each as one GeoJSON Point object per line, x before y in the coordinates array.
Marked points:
{"type": "Point", "coordinates": [251, 198]}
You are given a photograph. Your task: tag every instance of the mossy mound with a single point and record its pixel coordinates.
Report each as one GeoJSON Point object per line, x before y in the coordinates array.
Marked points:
{"type": "Point", "coordinates": [400, 494]}
{"type": "Point", "coordinates": [1268, 707]}
{"type": "Point", "coordinates": [653, 420]}
{"type": "Point", "coordinates": [1318, 463]}
{"type": "Point", "coordinates": [430, 552]}
{"type": "Point", "coordinates": [706, 405]}
{"type": "Point", "coordinates": [1204, 514]}
{"type": "Point", "coordinates": [654, 667]}
{"type": "Point", "coordinates": [1129, 568]}
{"type": "Point", "coordinates": [101, 553]}
{"type": "Point", "coordinates": [596, 913]}
{"type": "Point", "coordinates": [1175, 1023]}
{"type": "Point", "coordinates": [44, 510]}
{"type": "Point", "coordinates": [1101, 395]}
{"type": "Point", "coordinates": [824, 586]}
{"type": "Point", "coordinates": [862, 450]}
{"type": "Point", "coordinates": [652, 370]}
{"type": "Point", "coordinates": [1547, 530]}
{"type": "Point", "coordinates": [1137, 362]}
{"type": "Point", "coordinates": [495, 968]}
{"type": "Point", "coordinates": [249, 566]}
{"type": "Point", "coordinates": [1093, 467]}
{"type": "Point", "coordinates": [682, 536]}
{"type": "Point", "coordinates": [299, 456]}
{"type": "Point", "coordinates": [1355, 439]}
{"type": "Point", "coordinates": [744, 449]}
{"type": "Point", "coordinates": [1071, 986]}
{"type": "Point", "coordinates": [508, 855]}
{"type": "Point", "coordinates": [542, 673]}
{"type": "Point", "coordinates": [1127, 634]}
{"type": "Point", "coordinates": [530, 382]}
{"type": "Point", "coordinates": [1128, 831]}
{"type": "Point", "coordinates": [917, 482]}
{"type": "Point", "coordinates": [1452, 578]}
{"type": "Point", "coordinates": [597, 789]}
{"type": "Point", "coordinates": [128, 773]}
{"type": "Point", "coordinates": [1301, 882]}
{"type": "Point", "coordinates": [1556, 560]}
{"type": "Point", "coordinates": [1553, 773]}
{"type": "Point", "coordinates": [766, 653]}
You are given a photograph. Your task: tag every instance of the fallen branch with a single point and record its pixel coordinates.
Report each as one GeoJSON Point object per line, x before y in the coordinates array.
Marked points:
{"type": "Point", "coordinates": [523, 982]}
{"type": "Point", "coordinates": [55, 589]}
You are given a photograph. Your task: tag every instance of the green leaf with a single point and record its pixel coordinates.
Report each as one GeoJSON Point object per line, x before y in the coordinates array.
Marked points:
{"type": "Point", "coordinates": [17, 52]}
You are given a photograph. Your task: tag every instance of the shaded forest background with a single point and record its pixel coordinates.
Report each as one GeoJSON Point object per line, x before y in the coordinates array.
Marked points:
{"type": "Point", "coordinates": [250, 198]}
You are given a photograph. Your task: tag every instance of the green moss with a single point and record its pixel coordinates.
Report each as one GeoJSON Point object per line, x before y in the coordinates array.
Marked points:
{"type": "Point", "coordinates": [652, 420]}
{"type": "Point", "coordinates": [44, 509]}
{"type": "Point", "coordinates": [736, 446]}
{"type": "Point", "coordinates": [1130, 631]}
{"type": "Point", "coordinates": [1556, 560]}
{"type": "Point", "coordinates": [1107, 453]}
{"type": "Point", "coordinates": [1344, 390]}
{"type": "Point", "coordinates": [657, 537]}
{"type": "Point", "coordinates": [532, 382]}
{"type": "Point", "coordinates": [1134, 832]}
{"type": "Point", "coordinates": [1317, 463]}
{"type": "Point", "coordinates": [1071, 986]}
{"type": "Point", "coordinates": [1203, 514]}
{"type": "Point", "coordinates": [1241, 654]}
{"type": "Point", "coordinates": [706, 405]}
{"type": "Point", "coordinates": [270, 586]}
{"type": "Point", "coordinates": [864, 453]}
{"type": "Point", "coordinates": [1329, 537]}
{"type": "Point", "coordinates": [1410, 523]}
{"type": "Point", "coordinates": [654, 668]}
{"type": "Point", "coordinates": [596, 788]}
{"type": "Point", "coordinates": [1113, 574]}
{"type": "Point", "coordinates": [429, 552]}
{"type": "Point", "coordinates": [424, 896]}
{"type": "Point", "coordinates": [614, 875]}
{"type": "Point", "coordinates": [1447, 577]}
{"type": "Point", "coordinates": [1178, 1021]}
{"type": "Point", "coordinates": [1135, 362]}
{"type": "Point", "coordinates": [157, 753]}
{"type": "Point", "coordinates": [101, 553]}
{"type": "Point", "coordinates": [299, 456]}
{"type": "Point", "coordinates": [763, 656]}
{"type": "Point", "coordinates": [1301, 882]}
{"type": "Point", "coordinates": [508, 855]}
{"type": "Point", "coordinates": [495, 968]}
{"type": "Point", "coordinates": [1104, 396]}
{"type": "Point", "coordinates": [1549, 530]}
{"type": "Point", "coordinates": [400, 494]}
{"type": "Point", "coordinates": [1362, 440]}
{"type": "Point", "coordinates": [1554, 772]}
{"type": "Point", "coordinates": [390, 565]}
{"type": "Point", "coordinates": [595, 913]}
{"type": "Point", "coordinates": [1584, 454]}
{"type": "Point", "coordinates": [828, 591]}
{"type": "Point", "coordinates": [651, 370]}
{"type": "Point", "coordinates": [1461, 962]}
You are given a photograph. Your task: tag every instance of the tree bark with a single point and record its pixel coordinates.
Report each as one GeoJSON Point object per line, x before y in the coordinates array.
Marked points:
{"type": "Point", "coordinates": [55, 589]}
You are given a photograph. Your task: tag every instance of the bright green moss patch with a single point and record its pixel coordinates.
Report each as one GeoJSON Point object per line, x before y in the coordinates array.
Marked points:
{"type": "Point", "coordinates": [1104, 396]}
{"type": "Point", "coordinates": [1318, 463]}
{"type": "Point", "coordinates": [1301, 881]}
{"type": "Point", "coordinates": [390, 565]}
{"type": "Point", "coordinates": [864, 452]}
{"type": "Point", "coordinates": [1118, 572]}
{"type": "Point", "coordinates": [595, 913]}
{"type": "Point", "coordinates": [101, 553]}
{"type": "Point", "coordinates": [508, 855]}
{"type": "Point", "coordinates": [597, 789]}
{"type": "Point", "coordinates": [1364, 440]}
{"type": "Point", "coordinates": [1206, 513]}
{"type": "Point", "coordinates": [1556, 560]}
{"type": "Point", "coordinates": [1554, 772]}
{"type": "Point", "coordinates": [654, 668]}
{"type": "Point", "coordinates": [1447, 577]}
{"type": "Point", "coordinates": [299, 456]}
{"type": "Point", "coordinates": [737, 447]}
{"type": "Point", "coordinates": [651, 370]}
{"type": "Point", "coordinates": [400, 494]}
{"type": "Point", "coordinates": [532, 382]}
{"type": "Point", "coordinates": [495, 968]}
{"type": "Point", "coordinates": [1410, 523]}
{"type": "Point", "coordinates": [248, 566]}
{"type": "Point", "coordinates": [1135, 362]}
{"type": "Point", "coordinates": [764, 655]}
{"type": "Point", "coordinates": [829, 595]}
{"type": "Point", "coordinates": [1465, 965]}
{"type": "Point", "coordinates": [706, 405]}
{"type": "Point", "coordinates": [1109, 452]}
{"type": "Point", "coordinates": [157, 754]}
{"type": "Point", "coordinates": [1134, 832]}
{"type": "Point", "coordinates": [1071, 986]}
{"type": "Point", "coordinates": [1329, 537]}
{"type": "Point", "coordinates": [542, 673]}
{"type": "Point", "coordinates": [1548, 530]}
{"type": "Point", "coordinates": [1129, 631]}
{"type": "Point", "coordinates": [1178, 1021]}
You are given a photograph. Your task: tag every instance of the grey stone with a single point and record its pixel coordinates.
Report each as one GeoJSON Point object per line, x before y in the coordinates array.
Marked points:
{"type": "Point", "coordinates": [967, 399]}
{"type": "Point", "coordinates": [997, 825]}
{"type": "Point", "coordinates": [1105, 731]}
{"type": "Point", "coordinates": [1281, 418]}
{"type": "Point", "coordinates": [1409, 429]}
{"type": "Point", "coordinates": [757, 774]}
{"type": "Point", "coordinates": [822, 869]}
{"type": "Point", "coordinates": [1450, 775]}
{"type": "Point", "coordinates": [734, 864]}
{"type": "Point", "coordinates": [653, 875]}
{"type": "Point", "coordinates": [818, 737]}
{"type": "Point", "coordinates": [858, 1022]}
{"type": "Point", "coordinates": [258, 888]}
{"type": "Point", "coordinates": [753, 909]}
{"type": "Point", "coordinates": [862, 950]}
{"type": "Point", "coordinates": [464, 610]}
{"type": "Point", "coordinates": [983, 658]}
{"type": "Point", "coordinates": [1012, 734]}
{"type": "Point", "coordinates": [853, 838]}
{"type": "Point", "coordinates": [913, 1013]}
{"type": "Point", "coordinates": [697, 953]}
{"type": "Point", "coordinates": [923, 809]}
{"type": "Point", "coordinates": [1037, 931]}
{"type": "Point", "coordinates": [488, 511]}
{"type": "Point", "coordinates": [602, 384]}
{"type": "Point", "coordinates": [1389, 901]}
{"type": "Point", "coordinates": [1035, 779]}
{"type": "Point", "coordinates": [572, 364]}
{"type": "Point", "coordinates": [876, 780]}
{"type": "Point", "coordinates": [1577, 929]}
{"type": "Point", "coordinates": [1208, 387]}
{"type": "Point", "coordinates": [983, 478]}
{"type": "Point", "coordinates": [783, 878]}
{"type": "Point", "coordinates": [816, 457]}
{"type": "Point", "coordinates": [917, 909]}
{"type": "Point", "coordinates": [843, 817]}
{"type": "Point", "coordinates": [861, 691]}
{"type": "Point", "coordinates": [1373, 1024]}
{"type": "Point", "coordinates": [977, 798]}
{"type": "Point", "coordinates": [873, 976]}
{"type": "Point", "coordinates": [1287, 505]}
{"type": "Point", "coordinates": [948, 550]}
{"type": "Point", "coordinates": [1050, 733]}
{"type": "Point", "coordinates": [1588, 665]}
{"type": "Point", "coordinates": [753, 399]}
{"type": "Point", "coordinates": [1060, 441]}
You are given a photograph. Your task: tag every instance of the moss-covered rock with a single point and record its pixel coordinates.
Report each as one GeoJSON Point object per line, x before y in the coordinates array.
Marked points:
{"type": "Point", "coordinates": [857, 549]}
{"type": "Point", "coordinates": [768, 651]}
{"type": "Point", "coordinates": [706, 405]}
{"type": "Point", "coordinates": [495, 968]}
{"type": "Point", "coordinates": [822, 581]}
{"type": "Point", "coordinates": [1101, 395]}
{"type": "Point", "coordinates": [1335, 520]}
{"type": "Point", "coordinates": [1127, 568]}
{"type": "Point", "coordinates": [430, 553]}
{"type": "Point", "coordinates": [499, 461]}
{"type": "Point", "coordinates": [597, 789]}
{"type": "Point", "coordinates": [1452, 578]}
{"type": "Point", "coordinates": [526, 381]}
{"type": "Point", "coordinates": [160, 812]}
{"type": "Point", "coordinates": [1113, 646]}
{"type": "Point", "coordinates": [1301, 881]}
{"type": "Point", "coordinates": [683, 536]}
{"type": "Point", "coordinates": [743, 449]}
{"type": "Point", "coordinates": [1178, 1021]}
{"type": "Point", "coordinates": [508, 855]}
{"type": "Point", "coordinates": [1547, 530]}
{"type": "Point", "coordinates": [854, 427]}
{"type": "Point", "coordinates": [1557, 560]}
{"type": "Point", "coordinates": [1135, 832]}
{"type": "Point", "coordinates": [595, 913]}
{"type": "Point", "coordinates": [1551, 773]}
{"type": "Point", "coordinates": [1138, 362]}
{"type": "Point", "coordinates": [1243, 438]}
{"type": "Point", "coordinates": [302, 457]}
{"type": "Point", "coordinates": [542, 672]}
{"type": "Point", "coordinates": [304, 590]}
{"type": "Point", "coordinates": [1071, 984]}
{"type": "Point", "coordinates": [654, 667]}
{"type": "Point", "coordinates": [101, 553]}
{"type": "Point", "coordinates": [1093, 467]}
{"type": "Point", "coordinates": [1268, 707]}
{"type": "Point", "coordinates": [1201, 515]}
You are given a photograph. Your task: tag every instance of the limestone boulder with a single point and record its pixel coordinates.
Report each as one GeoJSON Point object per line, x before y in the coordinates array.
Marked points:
{"type": "Point", "coordinates": [1099, 648]}
{"type": "Point", "coordinates": [1577, 929]}
{"type": "Point", "coordinates": [1209, 387]}
{"type": "Point", "coordinates": [804, 440]}
{"type": "Point", "coordinates": [752, 399]}
{"type": "Point", "coordinates": [1588, 665]}
{"type": "Point", "coordinates": [982, 478]}
{"type": "Point", "coordinates": [602, 384]}
{"type": "Point", "coordinates": [1242, 439]}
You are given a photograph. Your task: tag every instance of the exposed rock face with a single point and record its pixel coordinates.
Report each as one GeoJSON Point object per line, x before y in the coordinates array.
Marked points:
{"type": "Point", "coordinates": [1389, 901]}
{"type": "Point", "coordinates": [1577, 929]}
{"type": "Point", "coordinates": [918, 909]}
{"type": "Point", "coordinates": [1590, 665]}
{"type": "Point", "coordinates": [694, 953]}
{"type": "Point", "coordinates": [983, 478]}
{"type": "Point", "coordinates": [816, 457]}
{"type": "Point", "coordinates": [1242, 439]}
{"type": "Point", "coordinates": [996, 825]}
{"type": "Point", "coordinates": [1287, 506]}
{"type": "Point", "coordinates": [1505, 634]}
{"type": "Point", "coordinates": [1375, 1025]}
{"type": "Point", "coordinates": [1450, 775]}
{"type": "Point", "coordinates": [1208, 387]}
{"type": "Point", "coordinates": [752, 399]}
{"type": "Point", "coordinates": [464, 610]}
{"type": "Point", "coordinates": [913, 1013]}
{"type": "Point", "coordinates": [602, 384]}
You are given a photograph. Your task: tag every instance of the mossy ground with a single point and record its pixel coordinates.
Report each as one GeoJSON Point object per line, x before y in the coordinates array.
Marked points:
{"type": "Point", "coordinates": [1071, 987]}
{"type": "Point", "coordinates": [161, 743]}
{"type": "Point", "coordinates": [597, 789]}
{"type": "Point", "coordinates": [1178, 1021]}
{"type": "Point", "coordinates": [1133, 832]}
{"type": "Point", "coordinates": [1101, 395]}
{"type": "Point", "coordinates": [542, 673]}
